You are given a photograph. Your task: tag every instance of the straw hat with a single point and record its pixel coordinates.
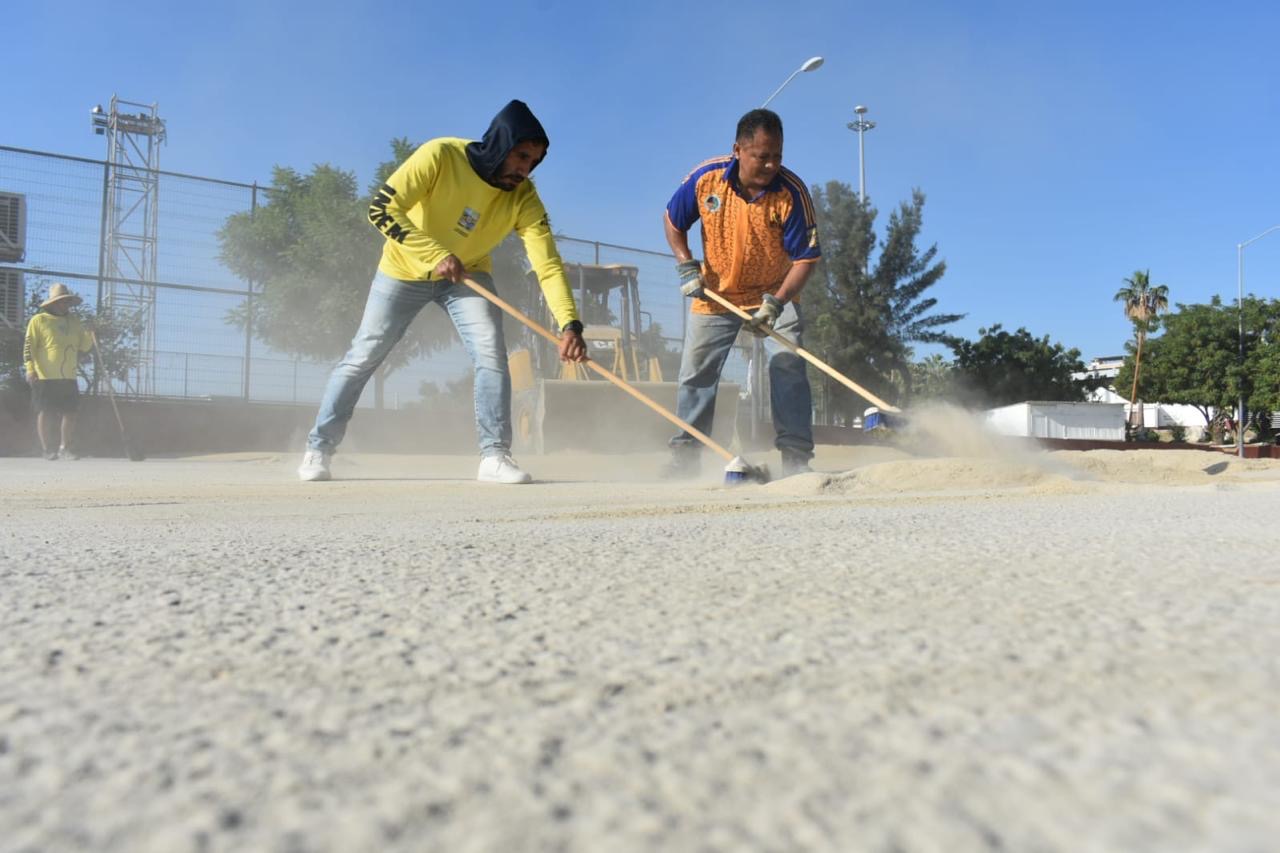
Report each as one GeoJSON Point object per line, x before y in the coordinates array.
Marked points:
{"type": "Point", "coordinates": [59, 292]}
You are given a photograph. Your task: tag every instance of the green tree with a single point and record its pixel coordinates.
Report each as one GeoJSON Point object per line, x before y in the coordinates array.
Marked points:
{"type": "Point", "coordinates": [1261, 373]}
{"type": "Point", "coordinates": [311, 254]}
{"type": "Point", "coordinates": [1196, 361]}
{"type": "Point", "coordinates": [863, 318]}
{"type": "Point", "coordinates": [1143, 304]}
{"type": "Point", "coordinates": [932, 378]}
{"type": "Point", "coordinates": [1003, 367]}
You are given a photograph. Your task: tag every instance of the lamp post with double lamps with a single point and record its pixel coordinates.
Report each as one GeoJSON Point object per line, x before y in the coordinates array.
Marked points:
{"type": "Point", "coordinates": [1240, 311]}
{"type": "Point", "coordinates": [860, 126]}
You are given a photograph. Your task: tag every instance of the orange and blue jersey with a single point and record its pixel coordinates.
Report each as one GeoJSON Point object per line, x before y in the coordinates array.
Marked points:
{"type": "Point", "coordinates": [748, 244]}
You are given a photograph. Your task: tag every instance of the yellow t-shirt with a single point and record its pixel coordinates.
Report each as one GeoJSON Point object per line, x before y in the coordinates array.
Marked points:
{"type": "Point", "coordinates": [53, 345]}
{"type": "Point", "coordinates": [435, 205]}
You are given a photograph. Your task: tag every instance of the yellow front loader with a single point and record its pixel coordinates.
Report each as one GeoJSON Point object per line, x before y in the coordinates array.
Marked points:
{"type": "Point", "coordinates": [558, 406]}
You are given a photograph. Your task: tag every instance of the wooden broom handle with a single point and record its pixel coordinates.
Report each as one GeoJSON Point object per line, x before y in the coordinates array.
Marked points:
{"type": "Point", "coordinates": [808, 356]}
{"type": "Point", "coordinates": [616, 380]}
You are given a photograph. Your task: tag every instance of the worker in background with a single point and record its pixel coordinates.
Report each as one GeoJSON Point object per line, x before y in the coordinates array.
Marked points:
{"type": "Point", "coordinates": [55, 341]}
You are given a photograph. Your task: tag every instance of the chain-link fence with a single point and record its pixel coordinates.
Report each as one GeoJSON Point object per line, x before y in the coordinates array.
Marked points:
{"type": "Point", "coordinates": [196, 350]}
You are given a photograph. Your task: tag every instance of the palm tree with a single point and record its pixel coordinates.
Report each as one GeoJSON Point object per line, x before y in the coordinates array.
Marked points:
{"type": "Point", "coordinates": [1142, 304]}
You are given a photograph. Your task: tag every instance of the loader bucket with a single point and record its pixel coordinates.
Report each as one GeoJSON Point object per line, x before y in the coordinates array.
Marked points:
{"type": "Point", "coordinates": [596, 416]}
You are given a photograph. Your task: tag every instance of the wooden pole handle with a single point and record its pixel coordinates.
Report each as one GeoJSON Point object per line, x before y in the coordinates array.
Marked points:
{"type": "Point", "coordinates": [616, 380]}
{"type": "Point", "coordinates": [808, 356]}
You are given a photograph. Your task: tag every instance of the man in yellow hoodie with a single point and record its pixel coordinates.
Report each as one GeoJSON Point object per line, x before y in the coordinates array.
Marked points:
{"type": "Point", "coordinates": [51, 355]}
{"type": "Point", "coordinates": [442, 212]}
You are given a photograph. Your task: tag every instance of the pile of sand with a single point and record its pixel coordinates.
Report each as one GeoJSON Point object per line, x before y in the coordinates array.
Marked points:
{"type": "Point", "coordinates": [1058, 472]}
{"type": "Point", "coordinates": [952, 475]}
{"type": "Point", "coordinates": [948, 450]}
{"type": "Point", "coordinates": [1168, 467]}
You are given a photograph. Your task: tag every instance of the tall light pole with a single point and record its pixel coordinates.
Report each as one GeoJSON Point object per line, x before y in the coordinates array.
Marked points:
{"type": "Point", "coordinates": [860, 126]}
{"type": "Point", "coordinates": [1240, 311]}
{"type": "Point", "coordinates": [811, 64]}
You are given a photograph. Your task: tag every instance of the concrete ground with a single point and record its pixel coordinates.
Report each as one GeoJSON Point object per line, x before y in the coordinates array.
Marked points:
{"type": "Point", "coordinates": [1064, 652]}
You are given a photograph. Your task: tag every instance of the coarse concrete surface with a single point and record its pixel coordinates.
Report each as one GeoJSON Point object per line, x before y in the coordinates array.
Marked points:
{"type": "Point", "coordinates": [1046, 652]}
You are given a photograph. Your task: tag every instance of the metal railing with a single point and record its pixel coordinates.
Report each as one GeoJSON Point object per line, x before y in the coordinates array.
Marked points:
{"type": "Point", "coordinates": [197, 352]}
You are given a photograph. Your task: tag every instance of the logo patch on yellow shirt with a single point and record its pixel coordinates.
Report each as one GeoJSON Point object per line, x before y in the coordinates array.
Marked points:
{"type": "Point", "coordinates": [713, 203]}
{"type": "Point", "coordinates": [467, 221]}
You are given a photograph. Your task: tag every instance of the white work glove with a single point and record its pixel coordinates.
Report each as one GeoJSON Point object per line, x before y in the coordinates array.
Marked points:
{"type": "Point", "coordinates": [690, 273]}
{"type": "Point", "coordinates": [766, 315]}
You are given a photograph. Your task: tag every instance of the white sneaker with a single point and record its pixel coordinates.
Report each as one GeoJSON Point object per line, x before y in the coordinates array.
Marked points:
{"type": "Point", "coordinates": [315, 466]}
{"type": "Point", "coordinates": [501, 469]}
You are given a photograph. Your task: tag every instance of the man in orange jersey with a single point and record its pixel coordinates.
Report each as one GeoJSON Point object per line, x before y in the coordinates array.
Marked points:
{"type": "Point", "coordinates": [760, 244]}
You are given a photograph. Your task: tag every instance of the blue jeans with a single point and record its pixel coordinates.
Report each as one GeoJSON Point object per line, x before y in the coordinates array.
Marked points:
{"type": "Point", "coordinates": [708, 340]}
{"type": "Point", "coordinates": [391, 307]}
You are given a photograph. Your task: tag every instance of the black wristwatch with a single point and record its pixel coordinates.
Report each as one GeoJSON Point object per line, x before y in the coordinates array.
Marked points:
{"type": "Point", "coordinates": [573, 326]}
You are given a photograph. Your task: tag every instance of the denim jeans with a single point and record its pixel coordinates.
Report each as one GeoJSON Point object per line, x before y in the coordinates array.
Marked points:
{"type": "Point", "coordinates": [391, 307]}
{"type": "Point", "coordinates": [708, 340]}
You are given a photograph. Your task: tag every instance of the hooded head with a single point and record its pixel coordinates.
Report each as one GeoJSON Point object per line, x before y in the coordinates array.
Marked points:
{"type": "Point", "coordinates": [514, 125]}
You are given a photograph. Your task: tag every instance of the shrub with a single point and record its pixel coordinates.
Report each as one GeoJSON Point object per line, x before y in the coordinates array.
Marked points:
{"type": "Point", "coordinates": [1178, 433]}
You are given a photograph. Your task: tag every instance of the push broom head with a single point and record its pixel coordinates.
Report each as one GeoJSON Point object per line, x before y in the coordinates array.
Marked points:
{"type": "Point", "coordinates": [740, 471]}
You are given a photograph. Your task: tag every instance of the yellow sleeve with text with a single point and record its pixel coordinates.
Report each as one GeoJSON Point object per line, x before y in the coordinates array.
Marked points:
{"type": "Point", "coordinates": [29, 347]}
{"type": "Point", "coordinates": [408, 186]}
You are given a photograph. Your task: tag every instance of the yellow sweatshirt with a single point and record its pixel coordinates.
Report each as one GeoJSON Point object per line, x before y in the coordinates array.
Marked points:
{"type": "Point", "coordinates": [53, 345]}
{"type": "Point", "coordinates": [435, 205]}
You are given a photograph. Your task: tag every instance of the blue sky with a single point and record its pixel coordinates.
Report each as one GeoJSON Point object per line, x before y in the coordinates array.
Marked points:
{"type": "Point", "coordinates": [1061, 146]}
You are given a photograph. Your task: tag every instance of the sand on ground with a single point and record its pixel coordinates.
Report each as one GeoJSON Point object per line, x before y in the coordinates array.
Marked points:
{"type": "Point", "coordinates": [1039, 651]}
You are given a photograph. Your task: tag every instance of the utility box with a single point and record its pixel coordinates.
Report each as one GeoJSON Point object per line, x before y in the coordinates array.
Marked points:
{"type": "Point", "coordinates": [13, 227]}
{"type": "Point", "coordinates": [13, 297]}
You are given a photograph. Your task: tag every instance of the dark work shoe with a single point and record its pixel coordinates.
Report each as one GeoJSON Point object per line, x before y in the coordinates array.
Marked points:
{"type": "Point", "coordinates": [795, 463]}
{"type": "Point", "coordinates": [681, 465]}
{"type": "Point", "coordinates": [51, 455]}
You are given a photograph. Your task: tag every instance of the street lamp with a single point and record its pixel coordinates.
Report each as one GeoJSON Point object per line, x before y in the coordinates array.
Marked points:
{"type": "Point", "coordinates": [811, 64]}
{"type": "Point", "coordinates": [860, 126]}
{"type": "Point", "coordinates": [755, 370]}
{"type": "Point", "coordinates": [1240, 311]}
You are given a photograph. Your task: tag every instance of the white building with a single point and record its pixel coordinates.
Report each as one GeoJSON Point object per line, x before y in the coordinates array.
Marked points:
{"type": "Point", "coordinates": [1039, 419]}
{"type": "Point", "coordinates": [1154, 415]}
{"type": "Point", "coordinates": [1103, 367]}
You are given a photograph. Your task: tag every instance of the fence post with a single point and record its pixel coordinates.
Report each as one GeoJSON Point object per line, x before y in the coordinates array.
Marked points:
{"type": "Point", "coordinates": [102, 261]}
{"type": "Point", "coordinates": [248, 314]}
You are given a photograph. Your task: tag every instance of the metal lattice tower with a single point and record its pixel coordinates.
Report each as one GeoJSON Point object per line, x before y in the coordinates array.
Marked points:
{"type": "Point", "coordinates": [129, 226]}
